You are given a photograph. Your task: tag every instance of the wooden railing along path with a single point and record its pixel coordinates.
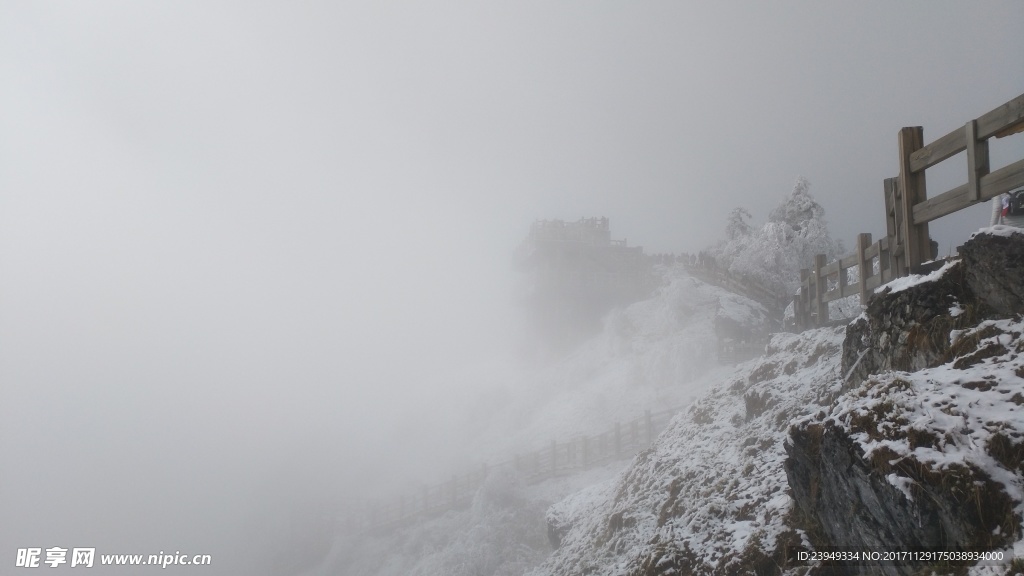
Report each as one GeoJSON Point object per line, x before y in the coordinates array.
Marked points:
{"type": "Point", "coordinates": [623, 440]}
{"type": "Point", "coordinates": [908, 210]}
{"type": "Point", "coordinates": [904, 250]}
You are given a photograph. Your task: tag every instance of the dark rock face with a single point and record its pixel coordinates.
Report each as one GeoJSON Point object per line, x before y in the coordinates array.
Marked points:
{"type": "Point", "coordinates": [845, 500]}
{"type": "Point", "coordinates": [842, 496]}
{"type": "Point", "coordinates": [909, 330]}
{"type": "Point", "coordinates": [994, 271]}
{"type": "Point", "coordinates": [829, 502]}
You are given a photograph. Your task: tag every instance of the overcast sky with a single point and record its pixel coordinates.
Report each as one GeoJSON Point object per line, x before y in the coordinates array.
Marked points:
{"type": "Point", "coordinates": [240, 239]}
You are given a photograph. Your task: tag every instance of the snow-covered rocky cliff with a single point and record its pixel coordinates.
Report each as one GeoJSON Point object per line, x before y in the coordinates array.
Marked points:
{"type": "Point", "coordinates": [902, 431]}
{"type": "Point", "coordinates": [915, 442]}
{"type": "Point", "coordinates": [711, 495]}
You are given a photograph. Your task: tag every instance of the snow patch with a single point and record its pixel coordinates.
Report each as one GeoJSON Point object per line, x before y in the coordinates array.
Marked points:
{"type": "Point", "coordinates": [714, 483]}
{"type": "Point", "coordinates": [905, 282]}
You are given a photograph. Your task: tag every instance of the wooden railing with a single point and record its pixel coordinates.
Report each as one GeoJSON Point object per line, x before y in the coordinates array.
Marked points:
{"type": "Point", "coordinates": [558, 459]}
{"type": "Point", "coordinates": [908, 210]}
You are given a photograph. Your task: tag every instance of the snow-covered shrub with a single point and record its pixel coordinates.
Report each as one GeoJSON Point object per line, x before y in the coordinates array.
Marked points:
{"type": "Point", "coordinates": [774, 254]}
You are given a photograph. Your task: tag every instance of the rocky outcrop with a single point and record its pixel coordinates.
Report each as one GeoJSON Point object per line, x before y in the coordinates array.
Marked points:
{"type": "Point", "coordinates": [909, 329]}
{"type": "Point", "coordinates": [709, 497]}
{"type": "Point", "coordinates": [907, 458]}
{"type": "Point", "coordinates": [883, 501]}
{"type": "Point", "coordinates": [995, 269]}
{"type": "Point", "coordinates": [907, 325]}
{"type": "Point", "coordinates": [921, 447]}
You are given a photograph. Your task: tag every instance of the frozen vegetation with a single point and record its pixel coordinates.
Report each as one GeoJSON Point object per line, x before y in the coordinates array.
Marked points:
{"type": "Point", "coordinates": [773, 254]}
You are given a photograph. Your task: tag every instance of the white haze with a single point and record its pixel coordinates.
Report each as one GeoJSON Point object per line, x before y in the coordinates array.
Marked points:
{"type": "Point", "coordinates": [256, 256]}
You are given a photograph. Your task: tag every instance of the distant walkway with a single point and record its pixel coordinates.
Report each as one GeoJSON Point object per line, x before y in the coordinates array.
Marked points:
{"type": "Point", "coordinates": [561, 458]}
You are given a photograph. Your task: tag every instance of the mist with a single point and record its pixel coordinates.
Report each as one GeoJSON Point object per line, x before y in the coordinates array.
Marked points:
{"type": "Point", "coordinates": [256, 258]}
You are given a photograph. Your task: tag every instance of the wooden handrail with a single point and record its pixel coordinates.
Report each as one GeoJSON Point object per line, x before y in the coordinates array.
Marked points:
{"type": "Point", "coordinates": [989, 125]}
{"type": "Point", "coordinates": [568, 456]}
{"type": "Point", "coordinates": [908, 210]}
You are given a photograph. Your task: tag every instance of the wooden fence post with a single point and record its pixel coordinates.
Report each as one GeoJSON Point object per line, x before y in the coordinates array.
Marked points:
{"type": "Point", "coordinates": [893, 228]}
{"type": "Point", "coordinates": [843, 279]}
{"type": "Point", "coordinates": [879, 250]}
{"type": "Point", "coordinates": [977, 160]}
{"type": "Point", "coordinates": [820, 287]}
{"type": "Point", "coordinates": [916, 243]}
{"type": "Point", "coordinates": [884, 261]}
{"type": "Point", "coordinates": [891, 219]}
{"type": "Point", "coordinates": [863, 241]}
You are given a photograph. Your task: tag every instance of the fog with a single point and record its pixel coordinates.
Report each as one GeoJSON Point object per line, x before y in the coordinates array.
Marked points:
{"type": "Point", "coordinates": [256, 256]}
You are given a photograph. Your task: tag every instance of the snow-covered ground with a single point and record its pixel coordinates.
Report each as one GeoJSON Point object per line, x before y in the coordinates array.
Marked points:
{"type": "Point", "coordinates": [712, 491]}
{"type": "Point", "coordinates": [502, 532]}
{"type": "Point", "coordinates": [712, 496]}
{"type": "Point", "coordinates": [959, 418]}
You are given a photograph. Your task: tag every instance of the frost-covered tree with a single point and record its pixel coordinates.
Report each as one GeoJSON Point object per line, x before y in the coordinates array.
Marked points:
{"type": "Point", "coordinates": [799, 208]}
{"type": "Point", "coordinates": [774, 254]}
{"type": "Point", "coordinates": [738, 225]}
